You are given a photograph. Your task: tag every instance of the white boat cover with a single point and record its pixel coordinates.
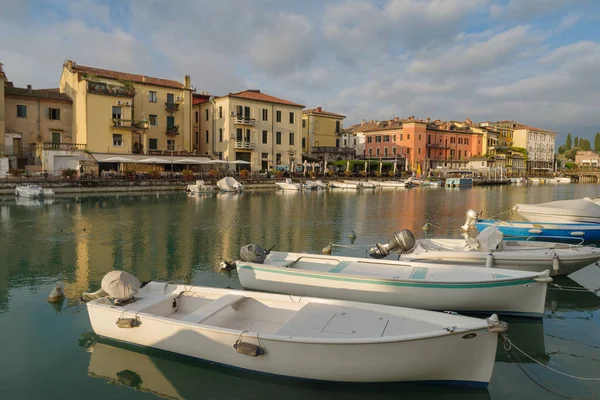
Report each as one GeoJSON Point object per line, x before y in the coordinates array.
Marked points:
{"type": "Point", "coordinates": [229, 182]}
{"type": "Point", "coordinates": [490, 238]}
{"type": "Point", "coordinates": [120, 285]}
{"type": "Point", "coordinates": [585, 207]}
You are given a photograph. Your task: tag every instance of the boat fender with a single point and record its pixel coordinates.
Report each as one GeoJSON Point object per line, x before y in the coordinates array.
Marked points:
{"type": "Point", "coordinates": [536, 231]}
{"type": "Point", "coordinates": [128, 322]}
{"type": "Point", "coordinates": [352, 235]}
{"type": "Point", "coordinates": [248, 349]}
{"type": "Point", "coordinates": [555, 263]}
{"type": "Point", "coordinates": [227, 265]}
{"type": "Point", "coordinates": [489, 260]}
{"type": "Point", "coordinates": [57, 294]}
{"type": "Point", "coordinates": [577, 233]}
{"type": "Point", "coordinates": [495, 325]}
{"type": "Point", "coordinates": [327, 249]}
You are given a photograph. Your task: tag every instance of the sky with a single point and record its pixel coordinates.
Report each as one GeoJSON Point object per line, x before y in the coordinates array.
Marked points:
{"type": "Point", "coordinates": [534, 61]}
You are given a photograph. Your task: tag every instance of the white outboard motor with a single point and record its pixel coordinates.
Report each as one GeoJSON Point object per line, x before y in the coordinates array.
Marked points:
{"type": "Point", "coordinates": [402, 241]}
{"type": "Point", "coordinates": [472, 216]}
{"type": "Point", "coordinates": [253, 253]}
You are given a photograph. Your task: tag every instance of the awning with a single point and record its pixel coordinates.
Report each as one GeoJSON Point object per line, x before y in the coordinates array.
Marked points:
{"type": "Point", "coordinates": [147, 159]}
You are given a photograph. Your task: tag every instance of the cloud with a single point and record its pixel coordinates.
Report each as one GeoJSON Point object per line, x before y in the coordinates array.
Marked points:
{"type": "Point", "coordinates": [569, 20]}
{"type": "Point", "coordinates": [528, 9]}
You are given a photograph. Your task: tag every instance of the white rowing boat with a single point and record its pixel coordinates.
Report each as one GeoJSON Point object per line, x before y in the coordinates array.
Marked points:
{"type": "Point", "coordinates": [311, 338]}
{"type": "Point", "coordinates": [398, 283]}
{"type": "Point", "coordinates": [289, 185]}
{"type": "Point", "coordinates": [577, 210]}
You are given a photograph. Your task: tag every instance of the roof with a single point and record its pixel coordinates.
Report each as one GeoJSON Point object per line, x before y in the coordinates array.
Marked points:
{"type": "Point", "coordinates": [46, 94]}
{"type": "Point", "coordinates": [199, 98]}
{"type": "Point", "coordinates": [318, 110]}
{"type": "Point", "coordinates": [531, 128]}
{"type": "Point", "coordinates": [106, 73]}
{"type": "Point", "coordinates": [255, 94]}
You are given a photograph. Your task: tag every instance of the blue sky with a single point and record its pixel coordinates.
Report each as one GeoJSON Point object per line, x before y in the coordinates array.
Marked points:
{"type": "Point", "coordinates": [534, 61]}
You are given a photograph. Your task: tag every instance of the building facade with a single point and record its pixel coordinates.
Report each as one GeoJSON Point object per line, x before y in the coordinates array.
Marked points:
{"type": "Point", "coordinates": [117, 112]}
{"type": "Point", "coordinates": [251, 126]}
{"type": "Point", "coordinates": [540, 146]}
{"type": "Point", "coordinates": [3, 81]}
{"type": "Point", "coordinates": [587, 158]}
{"type": "Point", "coordinates": [323, 137]}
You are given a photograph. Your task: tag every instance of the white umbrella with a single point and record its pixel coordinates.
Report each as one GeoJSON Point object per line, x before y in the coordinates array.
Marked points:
{"type": "Point", "coordinates": [380, 165]}
{"type": "Point", "coordinates": [348, 165]}
{"type": "Point", "coordinates": [153, 160]}
{"type": "Point", "coordinates": [190, 161]}
{"type": "Point", "coordinates": [366, 167]}
{"type": "Point", "coordinates": [305, 166]}
{"type": "Point", "coordinates": [239, 162]}
{"type": "Point", "coordinates": [313, 166]}
{"type": "Point", "coordinates": [117, 159]}
{"type": "Point", "coordinates": [395, 167]}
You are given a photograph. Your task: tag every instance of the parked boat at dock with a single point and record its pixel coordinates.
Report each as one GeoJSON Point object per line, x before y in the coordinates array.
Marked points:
{"type": "Point", "coordinates": [33, 191]}
{"type": "Point", "coordinates": [391, 184]}
{"type": "Point", "coordinates": [315, 185]}
{"type": "Point", "coordinates": [289, 185]}
{"type": "Point", "coordinates": [346, 185]}
{"type": "Point", "coordinates": [229, 184]}
{"type": "Point", "coordinates": [199, 187]}
{"type": "Point", "coordinates": [319, 339]}
{"type": "Point", "coordinates": [544, 230]}
{"type": "Point", "coordinates": [584, 210]}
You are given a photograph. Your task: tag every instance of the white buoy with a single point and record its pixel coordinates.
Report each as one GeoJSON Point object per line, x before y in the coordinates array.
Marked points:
{"type": "Point", "coordinates": [426, 226]}
{"type": "Point", "coordinates": [352, 235]}
{"type": "Point", "coordinates": [57, 294]}
{"type": "Point", "coordinates": [327, 249]}
{"type": "Point", "coordinates": [555, 263]}
{"type": "Point", "coordinates": [489, 260]}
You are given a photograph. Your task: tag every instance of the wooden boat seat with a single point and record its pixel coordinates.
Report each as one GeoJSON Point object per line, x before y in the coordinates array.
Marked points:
{"type": "Point", "coordinates": [201, 314]}
{"type": "Point", "coordinates": [144, 303]}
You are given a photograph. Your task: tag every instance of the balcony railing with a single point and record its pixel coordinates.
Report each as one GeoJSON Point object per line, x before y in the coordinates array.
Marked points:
{"type": "Point", "coordinates": [60, 146]}
{"type": "Point", "coordinates": [243, 120]}
{"type": "Point", "coordinates": [244, 145]}
{"type": "Point", "coordinates": [110, 90]}
{"type": "Point", "coordinates": [330, 149]}
{"type": "Point", "coordinates": [130, 124]}
{"type": "Point", "coordinates": [171, 106]}
{"type": "Point", "coordinates": [437, 146]}
{"type": "Point", "coordinates": [173, 130]}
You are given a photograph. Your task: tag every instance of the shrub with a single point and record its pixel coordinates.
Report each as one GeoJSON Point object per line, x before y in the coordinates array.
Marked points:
{"type": "Point", "coordinates": [312, 174]}
{"type": "Point", "coordinates": [330, 172]}
{"type": "Point", "coordinates": [378, 174]}
{"type": "Point", "coordinates": [130, 174]}
{"type": "Point", "coordinates": [154, 173]}
{"type": "Point", "coordinates": [188, 175]}
{"type": "Point", "coordinates": [68, 173]}
{"type": "Point", "coordinates": [348, 173]}
{"type": "Point", "coordinates": [244, 174]}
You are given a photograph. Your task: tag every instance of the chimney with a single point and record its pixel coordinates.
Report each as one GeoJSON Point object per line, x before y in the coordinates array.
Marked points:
{"type": "Point", "coordinates": [29, 88]}
{"type": "Point", "coordinates": [411, 118]}
{"type": "Point", "coordinates": [1, 69]}
{"type": "Point", "coordinates": [427, 119]}
{"type": "Point", "coordinates": [362, 121]}
{"type": "Point", "coordinates": [187, 84]}
{"type": "Point", "coordinates": [319, 109]}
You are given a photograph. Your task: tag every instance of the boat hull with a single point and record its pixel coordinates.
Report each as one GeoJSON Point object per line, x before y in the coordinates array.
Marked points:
{"type": "Point", "coordinates": [549, 230]}
{"type": "Point", "coordinates": [524, 297]}
{"type": "Point", "coordinates": [289, 186]}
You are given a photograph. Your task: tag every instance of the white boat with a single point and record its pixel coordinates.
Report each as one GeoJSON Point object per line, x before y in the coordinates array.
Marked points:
{"type": "Point", "coordinates": [32, 191]}
{"type": "Point", "coordinates": [518, 181]}
{"type": "Point", "coordinates": [199, 187]}
{"type": "Point", "coordinates": [536, 180]}
{"type": "Point", "coordinates": [228, 184]}
{"type": "Point", "coordinates": [364, 184]}
{"type": "Point", "coordinates": [577, 210]}
{"type": "Point", "coordinates": [392, 184]}
{"type": "Point", "coordinates": [315, 185]}
{"type": "Point", "coordinates": [345, 185]}
{"type": "Point", "coordinates": [289, 185]}
{"type": "Point", "coordinates": [319, 339]}
{"type": "Point", "coordinates": [489, 249]}
{"type": "Point", "coordinates": [398, 283]}
{"type": "Point", "coordinates": [459, 182]}
{"type": "Point", "coordinates": [559, 180]}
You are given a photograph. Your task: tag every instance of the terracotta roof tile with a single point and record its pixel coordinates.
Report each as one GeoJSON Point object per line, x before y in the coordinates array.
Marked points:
{"type": "Point", "coordinates": [325, 113]}
{"type": "Point", "coordinates": [48, 94]}
{"type": "Point", "coordinates": [258, 96]}
{"type": "Point", "coordinates": [199, 98]}
{"type": "Point", "coordinates": [106, 73]}
{"type": "Point", "coordinates": [531, 128]}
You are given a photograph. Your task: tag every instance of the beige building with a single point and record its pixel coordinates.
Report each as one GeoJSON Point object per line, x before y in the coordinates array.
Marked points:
{"type": "Point", "coordinates": [587, 158]}
{"type": "Point", "coordinates": [3, 81]}
{"type": "Point", "coordinates": [540, 145]}
{"type": "Point", "coordinates": [118, 112]}
{"type": "Point", "coordinates": [251, 126]}
{"type": "Point", "coordinates": [322, 135]}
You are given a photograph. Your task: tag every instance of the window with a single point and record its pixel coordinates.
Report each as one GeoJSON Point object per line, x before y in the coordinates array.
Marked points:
{"type": "Point", "coordinates": [419, 150]}
{"type": "Point", "coordinates": [394, 138]}
{"type": "Point", "coordinates": [408, 150]}
{"type": "Point", "coordinates": [370, 152]}
{"type": "Point", "coordinates": [401, 138]}
{"type": "Point", "coordinates": [206, 137]}
{"type": "Point", "coordinates": [206, 114]}
{"type": "Point", "coordinates": [247, 136]}
{"type": "Point", "coordinates": [116, 115]}
{"type": "Point", "coordinates": [196, 139]}
{"type": "Point", "coordinates": [220, 111]}
{"type": "Point", "coordinates": [419, 136]}
{"type": "Point", "coordinates": [428, 139]}
{"type": "Point", "coordinates": [394, 150]}
{"type": "Point", "coordinates": [154, 119]}
{"type": "Point", "coordinates": [466, 141]}
{"type": "Point", "coordinates": [377, 139]}
{"type": "Point", "coordinates": [291, 138]}
{"type": "Point", "coordinates": [56, 137]}
{"type": "Point", "coordinates": [377, 151]}
{"type": "Point", "coordinates": [220, 134]}
{"type": "Point", "coordinates": [304, 123]}
{"type": "Point", "coordinates": [386, 138]}
{"type": "Point", "coordinates": [117, 140]}
{"type": "Point", "coordinates": [170, 122]}
{"type": "Point", "coordinates": [337, 126]}
{"type": "Point", "coordinates": [197, 116]}
{"type": "Point", "coordinates": [21, 111]}
{"type": "Point", "coordinates": [264, 156]}
{"type": "Point", "coordinates": [264, 137]}
{"type": "Point", "coordinates": [170, 98]}
{"type": "Point", "coordinates": [278, 158]}
{"type": "Point", "coordinates": [385, 152]}
{"type": "Point", "coordinates": [54, 114]}
{"type": "Point", "coordinates": [459, 140]}
{"type": "Point", "coordinates": [152, 97]}
{"type": "Point", "coordinates": [153, 144]}
{"type": "Point", "coordinates": [337, 142]}
{"type": "Point", "coordinates": [278, 138]}
{"type": "Point", "coordinates": [170, 144]}
{"type": "Point", "coordinates": [239, 134]}
{"type": "Point", "coordinates": [291, 118]}
{"type": "Point", "coordinates": [278, 116]}
{"type": "Point", "coordinates": [303, 143]}
{"type": "Point", "coordinates": [265, 114]}
{"type": "Point", "coordinates": [369, 139]}
{"type": "Point", "coordinates": [408, 136]}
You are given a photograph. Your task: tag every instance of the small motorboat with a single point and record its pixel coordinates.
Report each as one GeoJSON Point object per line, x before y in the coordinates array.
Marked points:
{"type": "Point", "coordinates": [315, 185]}
{"type": "Point", "coordinates": [392, 184]}
{"type": "Point", "coordinates": [199, 187]}
{"type": "Point", "coordinates": [364, 184]}
{"type": "Point", "coordinates": [459, 182]}
{"type": "Point", "coordinates": [577, 210]}
{"type": "Point", "coordinates": [490, 249]}
{"type": "Point", "coordinates": [228, 184]}
{"type": "Point", "coordinates": [300, 337]}
{"type": "Point", "coordinates": [289, 185]}
{"type": "Point", "coordinates": [32, 191]}
{"type": "Point", "coordinates": [346, 185]}
{"type": "Point", "coordinates": [519, 180]}
{"type": "Point", "coordinates": [399, 283]}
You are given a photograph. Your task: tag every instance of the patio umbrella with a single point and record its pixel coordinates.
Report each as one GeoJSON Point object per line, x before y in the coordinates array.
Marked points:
{"type": "Point", "coordinates": [348, 165]}
{"type": "Point", "coordinates": [191, 161]}
{"type": "Point", "coordinates": [153, 160]}
{"type": "Point", "coordinates": [395, 167]}
{"type": "Point", "coordinates": [380, 165]}
{"type": "Point", "coordinates": [366, 166]}
{"type": "Point", "coordinates": [117, 159]}
{"type": "Point", "coordinates": [239, 162]}
{"type": "Point", "coordinates": [305, 165]}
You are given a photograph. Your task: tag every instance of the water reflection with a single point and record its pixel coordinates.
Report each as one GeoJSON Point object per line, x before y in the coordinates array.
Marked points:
{"type": "Point", "coordinates": [176, 377]}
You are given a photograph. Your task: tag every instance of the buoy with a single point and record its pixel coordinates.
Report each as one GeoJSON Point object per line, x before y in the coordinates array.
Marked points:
{"type": "Point", "coordinates": [352, 235]}
{"type": "Point", "coordinates": [426, 226]}
{"type": "Point", "coordinates": [327, 249]}
{"type": "Point", "coordinates": [128, 322]}
{"type": "Point", "coordinates": [489, 260]}
{"type": "Point", "coordinates": [248, 349]}
{"type": "Point", "coordinates": [555, 263]}
{"type": "Point", "coordinates": [57, 294]}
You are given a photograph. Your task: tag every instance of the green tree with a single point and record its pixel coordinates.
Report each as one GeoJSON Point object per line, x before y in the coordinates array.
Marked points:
{"type": "Point", "coordinates": [561, 149]}
{"type": "Point", "coordinates": [569, 142]}
{"type": "Point", "coordinates": [597, 142]}
{"type": "Point", "coordinates": [570, 154]}
{"type": "Point", "coordinates": [576, 142]}
{"type": "Point", "coordinates": [585, 144]}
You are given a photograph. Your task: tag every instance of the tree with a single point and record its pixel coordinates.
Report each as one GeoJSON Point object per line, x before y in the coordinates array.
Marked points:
{"type": "Point", "coordinates": [585, 144]}
{"type": "Point", "coordinates": [597, 142]}
{"type": "Point", "coordinates": [568, 143]}
{"type": "Point", "coordinates": [570, 154]}
{"type": "Point", "coordinates": [576, 142]}
{"type": "Point", "coordinates": [561, 149]}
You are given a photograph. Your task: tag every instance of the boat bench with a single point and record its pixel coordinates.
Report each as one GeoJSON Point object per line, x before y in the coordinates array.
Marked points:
{"type": "Point", "coordinates": [144, 303]}
{"type": "Point", "coordinates": [204, 312]}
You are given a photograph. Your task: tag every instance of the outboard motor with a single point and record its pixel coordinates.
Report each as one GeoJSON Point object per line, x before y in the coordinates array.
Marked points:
{"type": "Point", "coordinates": [253, 253]}
{"type": "Point", "coordinates": [472, 216]}
{"type": "Point", "coordinates": [402, 241]}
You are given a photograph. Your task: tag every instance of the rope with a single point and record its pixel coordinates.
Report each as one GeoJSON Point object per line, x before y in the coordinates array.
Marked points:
{"type": "Point", "coordinates": [353, 246]}
{"type": "Point", "coordinates": [505, 337]}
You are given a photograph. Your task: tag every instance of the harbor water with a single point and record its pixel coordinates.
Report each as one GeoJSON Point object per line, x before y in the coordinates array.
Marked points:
{"type": "Point", "coordinates": [49, 350]}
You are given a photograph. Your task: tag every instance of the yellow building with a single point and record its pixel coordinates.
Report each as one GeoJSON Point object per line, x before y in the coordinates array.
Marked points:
{"type": "Point", "coordinates": [117, 112]}
{"type": "Point", "coordinates": [250, 126]}
{"type": "Point", "coordinates": [320, 129]}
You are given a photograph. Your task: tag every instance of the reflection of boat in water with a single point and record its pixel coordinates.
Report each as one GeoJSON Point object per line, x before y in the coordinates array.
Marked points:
{"type": "Point", "coordinates": [32, 202]}
{"type": "Point", "coordinates": [570, 296]}
{"type": "Point", "coordinates": [528, 334]}
{"type": "Point", "coordinates": [177, 377]}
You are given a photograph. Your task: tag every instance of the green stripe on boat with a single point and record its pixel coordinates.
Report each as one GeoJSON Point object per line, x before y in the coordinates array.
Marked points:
{"type": "Point", "coordinates": [500, 276]}
{"type": "Point", "coordinates": [339, 267]}
{"type": "Point", "coordinates": [419, 273]}
{"type": "Point", "coordinates": [389, 282]}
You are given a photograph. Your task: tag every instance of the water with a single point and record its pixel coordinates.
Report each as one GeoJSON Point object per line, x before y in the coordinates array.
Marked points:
{"type": "Point", "coordinates": [45, 349]}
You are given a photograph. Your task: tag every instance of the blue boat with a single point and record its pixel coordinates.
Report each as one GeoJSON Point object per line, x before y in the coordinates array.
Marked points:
{"type": "Point", "coordinates": [544, 230]}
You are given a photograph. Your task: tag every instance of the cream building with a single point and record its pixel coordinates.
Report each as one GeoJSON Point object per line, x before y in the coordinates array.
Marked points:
{"type": "Point", "coordinates": [3, 81]}
{"type": "Point", "coordinates": [540, 147]}
{"type": "Point", "coordinates": [117, 112]}
{"type": "Point", "coordinates": [322, 134]}
{"type": "Point", "coordinates": [251, 126]}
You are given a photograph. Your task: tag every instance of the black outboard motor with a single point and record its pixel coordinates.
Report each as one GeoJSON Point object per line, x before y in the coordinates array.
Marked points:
{"type": "Point", "coordinates": [402, 242]}
{"type": "Point", "coordinates": [253, 253]}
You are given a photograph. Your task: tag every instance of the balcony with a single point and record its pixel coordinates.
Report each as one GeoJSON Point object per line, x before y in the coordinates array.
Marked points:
{"type": "Point", "coordinates": [173, 130]}
{"type": "Point", "coordinates": [339, 150]}
{"type": "Point", "coordinates": [130, 124]}
{"type": "Point", "coordinates": [243, 120]}
{"type": "Point", "coordinates": [244, 145]}
{"type": "Point", "coordinates": [437, 146]}
{"type": "Point", "coordinates": [171, 106]}
{"type": "Point", "coordinates": [110, 90]}
{"type": "Point", "coordinates": [60, 146]}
